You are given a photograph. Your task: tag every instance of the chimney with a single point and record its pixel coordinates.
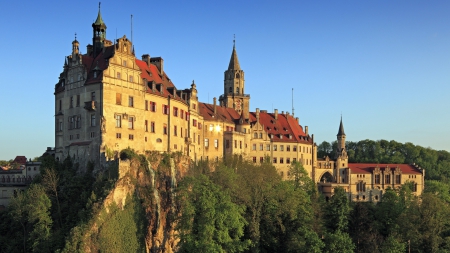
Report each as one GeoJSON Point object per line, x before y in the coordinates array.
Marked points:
{"type": "Point", "coordinates": [159, 62]}
{"type": "Point", "coordinates": [214, 106]}
{"type": "Point", "coordinates": [298, 120]}
{"type": "Point", "coordinates": [257, 114]}
{"type": "Point", "coordinates": [275, 113]}
{"type": "Point", "coordinates": [287, 114]}
{"type": "Point", "coordinates": [306, 130]}
{"type": "Point", "coordinates": [146, 59]}
{"type": "Point", "coordinates": [282, 112]}
{"type": "Point", "coordinates": [89, 48]}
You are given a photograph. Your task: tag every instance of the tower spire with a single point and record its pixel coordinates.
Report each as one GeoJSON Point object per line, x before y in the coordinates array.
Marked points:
{"type": "Point", "coordinates": [341, 128]}
{"type": "Point", "coordinates": [234, 62]}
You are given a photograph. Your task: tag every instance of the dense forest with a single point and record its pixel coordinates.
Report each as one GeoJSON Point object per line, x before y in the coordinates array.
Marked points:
{"type": "Point", "coordinates": [235, 206]}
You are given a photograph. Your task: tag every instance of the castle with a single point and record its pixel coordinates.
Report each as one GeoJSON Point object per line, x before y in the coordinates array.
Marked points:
{"type": "Point", "coordinates": [107, 100]}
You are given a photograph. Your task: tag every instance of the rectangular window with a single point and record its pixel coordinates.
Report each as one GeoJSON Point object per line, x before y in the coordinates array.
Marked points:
{"type": "Point", "coordinates": [294, 160]}
{"type": "Point", "coordinates": [131, 78]}
{"type": "Point", "coordinates": [261, 159]}
{"type": "Point", "coordinates": [274, 147]}
{"type": "Point", "coordinates": [254, 159]}
{"type": "Point", "coordinates": [240, 144]}
{"type": "Point", "coordinates": [206, 142]}
{"type": "Point", "coordinates": [165, 109]}
{"type": "Point", "coordinates": [175, 111]}
{"type": "Point", "coordinates": [268, 147]}
{"type": "Point", "coordinates": [281, 160]}
{"type": "Point", "coordinates": [281, 147]}
{"type": "Point", "coordinates": [118, 120]}
{"type": "Point", "coordinates": [187, 116]}
{"type": "Point", "coordinates": [198, 140]}
{"type": "Point", "coordinates": [152, 106]}
{"type": "Point", "coordinates": [124, 63]}
{"type": "Point", "coordinates": [93, 96]}
{"type": "Point", "coordinates": [216, 143]}
{"type": "Point", "coordinates": [181, 132]}
{"type": "Point", "coordinates": [254, 147]}
{"type": "Point", "coordinates": [227, 144]}
{"type": "Point", "coordinates": [387, 179]}
{"type": "Point", "coordinates": [71, 102]}
{"type": "Point", "coordinates": [274, 160]}
{"type": "Point", "coordinates": [60, 125]}
{"type": "Point", "coordinates": [288, 148]}
{"type": "Point", "coordinates": [118, 75]}
{"type": "Point", "coordinates": [261, 147]}
{"type": "Point", "coordinates": [175, 146]}
{"type": "Point", "coordinates": [199, 125]}
{"type": "Point", "coordinates": [146, 126]}
{"type": "Point", "coordinates": [146, 105]}
{"type": "Point", "coordinates": [130, 122]}
{"type": "Point", "coordinates": [182, 114]}
{"type": "Point", "coordinates": [235, 143]}
{"type": "Point", "coordinates": [92, 119]}
{"type": "Point", "coordinates": [194, 122]}
{"type": "Point", "coordinates": [175, 130]}
{"type": "Point", "coordinates": [78, 100]}
{"type": "Point", "coordinates": [294, 148]}
{"type": "Point", "coordinates": [78, 123]}
{"type": "Point", "coordinates": [131, 137]}
{"type": "Point", "coordinates": [152, 127]}
{"type": "Point", "coordinates": [118, 135]}
{"type": "Point", "coordinates": [398, 179]}
{"type": "Point", "coordinates": [377, 179]}
{"type": "Point", "coordinates": [92, 134]}
{"type": "Point", "coordinates": [130, 101]}
{"type": "Point", "coordinates": [288, 160]}
{"type": "Point", "coordinates": [60, 105]}
{"type": "Point", "coordinates": [165, 129]}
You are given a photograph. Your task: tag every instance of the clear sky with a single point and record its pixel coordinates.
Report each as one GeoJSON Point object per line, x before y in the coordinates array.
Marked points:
{"type": "Point", "coordinates": [383, 65]}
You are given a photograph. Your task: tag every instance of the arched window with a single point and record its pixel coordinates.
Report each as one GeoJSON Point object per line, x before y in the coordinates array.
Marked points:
{"type": "Point", "coordinates": [255, 135]}
{"type": "Point", "coordinates": [238, 76]}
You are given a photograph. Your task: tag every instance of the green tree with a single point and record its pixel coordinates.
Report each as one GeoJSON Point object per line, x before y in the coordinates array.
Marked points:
{"type": "Point", "coordinates": [209, 221]}
{"type": "Point", "coordinates": [338, 242]}
{"type": "Point", "coordinates": [392, 245]}
{"type": "Point", "coordinates": [337, 211]}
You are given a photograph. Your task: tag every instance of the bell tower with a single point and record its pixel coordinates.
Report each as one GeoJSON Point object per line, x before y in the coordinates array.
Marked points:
{"type": "Point", "coordinates": [99, 33]}
{"type": "Point", "coordinates": [234, 87]}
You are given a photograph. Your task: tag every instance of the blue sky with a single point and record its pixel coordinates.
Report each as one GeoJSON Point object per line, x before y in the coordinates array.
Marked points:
{"type": "Point", "coordinates": [383, 64]}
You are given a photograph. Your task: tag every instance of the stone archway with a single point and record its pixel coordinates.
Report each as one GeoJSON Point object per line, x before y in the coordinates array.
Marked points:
{"type": "Point", "coordinates": [326, 178]}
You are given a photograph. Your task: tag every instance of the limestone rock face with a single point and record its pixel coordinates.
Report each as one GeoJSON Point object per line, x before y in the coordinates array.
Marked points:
{"type": "Point", "coordinates": [154, 184]}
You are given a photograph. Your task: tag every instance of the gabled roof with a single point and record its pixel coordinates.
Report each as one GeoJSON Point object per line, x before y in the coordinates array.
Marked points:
{"type": "Point", "coordinates": [284, 129]}
{"type": "Point", "coordinates": [20, 159]}
{"type": "Point", "coordinates": [152, 74]}
{"type": "Point", "coordinates": [367, 168]}
{"type": "Point", "coordinates": [225, 114]}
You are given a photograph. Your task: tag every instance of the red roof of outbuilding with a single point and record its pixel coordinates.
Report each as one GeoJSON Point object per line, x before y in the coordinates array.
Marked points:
{"type": "Point", "coordinates": [367, 168]}
{"type": "Point", "coordinates": [20, 159]}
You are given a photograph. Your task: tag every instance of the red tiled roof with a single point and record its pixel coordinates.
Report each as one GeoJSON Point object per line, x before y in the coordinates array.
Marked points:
{"type": "Point", "coordinates": [226, 114]}
{"type": "Point", "coordinates": [151, 74]}
{"type": "Point", "coordinates": [20, 159]}
{"type": "Point", "coordinates": [285, 125]}
{"type": "Point", "coordinates": [367, 168]}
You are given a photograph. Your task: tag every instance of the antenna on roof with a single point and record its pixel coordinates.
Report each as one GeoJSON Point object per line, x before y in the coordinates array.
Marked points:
{"type": "Point", "coordinates": [131, 28]}
{"type": "Point", "coordinates": [292, 102]}
{"type": "Point", "coordinates": [234, 40]}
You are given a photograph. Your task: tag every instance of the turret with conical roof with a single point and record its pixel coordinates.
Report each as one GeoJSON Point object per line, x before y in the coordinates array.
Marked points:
{"type": "Point", "coordinates": [99, 33]}
{"type": "Point", "coordinates": [234, 86]}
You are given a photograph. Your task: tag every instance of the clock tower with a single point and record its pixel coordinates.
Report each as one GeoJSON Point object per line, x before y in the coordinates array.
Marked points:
{"type": "Point", "coordinates": [234, 87]}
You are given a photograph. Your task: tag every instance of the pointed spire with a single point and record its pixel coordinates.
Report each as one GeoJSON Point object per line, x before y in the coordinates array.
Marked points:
{"type": "Point", "coordinates": [99, 20]}
{"type": "Point", "coordinates": [341, 128]}
{"type": "Point", "coordinates": [234, 62]}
